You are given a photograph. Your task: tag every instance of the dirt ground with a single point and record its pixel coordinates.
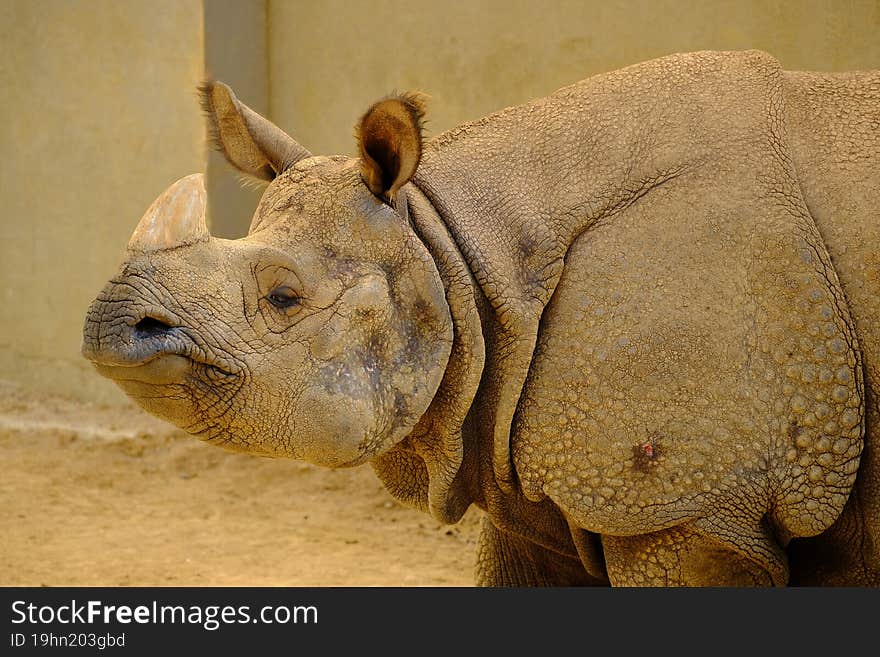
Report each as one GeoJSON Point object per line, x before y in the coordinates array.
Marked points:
{"type": "Point", "coordinates": [105, 496]}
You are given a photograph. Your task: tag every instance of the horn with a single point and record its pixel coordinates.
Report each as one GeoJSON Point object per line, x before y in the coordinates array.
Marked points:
{"type": "Point", "coordinates": [174, 219]}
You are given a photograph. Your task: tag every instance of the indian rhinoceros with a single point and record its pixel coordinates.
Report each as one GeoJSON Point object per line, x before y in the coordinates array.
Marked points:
{"type": "Point", "coordinates": [636, 322]}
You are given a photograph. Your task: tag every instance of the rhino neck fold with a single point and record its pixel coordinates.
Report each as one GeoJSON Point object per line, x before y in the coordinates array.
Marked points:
{"type": "Point", "coordinates": [447, 460]}
{"type": "Point", "coordinates": [435, 468]}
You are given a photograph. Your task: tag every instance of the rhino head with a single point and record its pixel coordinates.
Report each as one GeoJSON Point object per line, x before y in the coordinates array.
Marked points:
{"type": "Point", "coordinates": [322, 335]}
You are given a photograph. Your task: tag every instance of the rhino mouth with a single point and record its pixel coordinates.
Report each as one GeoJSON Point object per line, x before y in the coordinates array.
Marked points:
{"type": "Point", "coordinates": [153, 348]}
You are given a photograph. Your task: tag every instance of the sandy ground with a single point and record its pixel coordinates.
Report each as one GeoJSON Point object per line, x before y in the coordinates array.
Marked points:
{"type": "Point", "coordinates": [103, 496]}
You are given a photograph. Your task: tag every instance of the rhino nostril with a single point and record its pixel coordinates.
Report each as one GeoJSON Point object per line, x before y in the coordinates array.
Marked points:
{"type": "Point", "coordinates": [150, 326]}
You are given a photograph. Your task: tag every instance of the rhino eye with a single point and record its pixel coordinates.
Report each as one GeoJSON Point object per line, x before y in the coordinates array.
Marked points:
{"type": "Point", "coordinates": [283, 297]}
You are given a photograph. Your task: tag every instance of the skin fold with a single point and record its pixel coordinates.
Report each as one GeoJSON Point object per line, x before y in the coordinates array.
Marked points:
{"type": "Point", "coordinates": [634, 322]}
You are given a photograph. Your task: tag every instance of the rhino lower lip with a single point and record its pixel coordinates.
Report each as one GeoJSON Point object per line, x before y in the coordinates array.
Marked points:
{"type": "Point", "coordinates": [159, 366]}
{"type": "Point", "coordinates": [159, 369]}
{"type": "Point", "coordinates": [122, 362]}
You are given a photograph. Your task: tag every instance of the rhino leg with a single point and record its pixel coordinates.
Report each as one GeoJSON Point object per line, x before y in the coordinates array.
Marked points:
{"type": "Point", "coordinates": [505, 559]}
{"type": "Point", "coordinates": [679, 556]}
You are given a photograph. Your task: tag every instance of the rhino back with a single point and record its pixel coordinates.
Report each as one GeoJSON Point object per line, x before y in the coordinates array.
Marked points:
{"type": "Point", "coordinates": [834, 132]}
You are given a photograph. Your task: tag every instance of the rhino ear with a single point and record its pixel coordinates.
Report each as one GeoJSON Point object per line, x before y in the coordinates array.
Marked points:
{"type": "Point", "coordinates": [251, 143]}
{"type": "Point", "coordinates": [389, 138]}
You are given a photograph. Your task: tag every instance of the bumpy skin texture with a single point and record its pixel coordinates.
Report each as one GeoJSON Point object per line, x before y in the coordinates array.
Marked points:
{"type": "Point", "coordinates": [697, 311]}
{"type": "Point", "coordinates": [609, 318]}
{"type": "Point", "coordinates": [835, 143]}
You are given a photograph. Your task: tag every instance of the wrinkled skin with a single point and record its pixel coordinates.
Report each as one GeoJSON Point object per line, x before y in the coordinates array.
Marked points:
{"type": "Point", "coordinates": [634, 322]}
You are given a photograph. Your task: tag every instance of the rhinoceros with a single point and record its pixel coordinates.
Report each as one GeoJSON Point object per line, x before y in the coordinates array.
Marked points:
{"type": "Point", "coordinates": [636, 322]}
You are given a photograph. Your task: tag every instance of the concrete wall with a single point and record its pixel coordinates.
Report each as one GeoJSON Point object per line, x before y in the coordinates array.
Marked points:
{"type": "Point", "coordinates": [98, 117]}
{"type": "Point", "coordinates": [235, 52]}
{"type": "Point", "coordinates": [99, 113]}
{"type": "Point", "coordinates": [330, 60]}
